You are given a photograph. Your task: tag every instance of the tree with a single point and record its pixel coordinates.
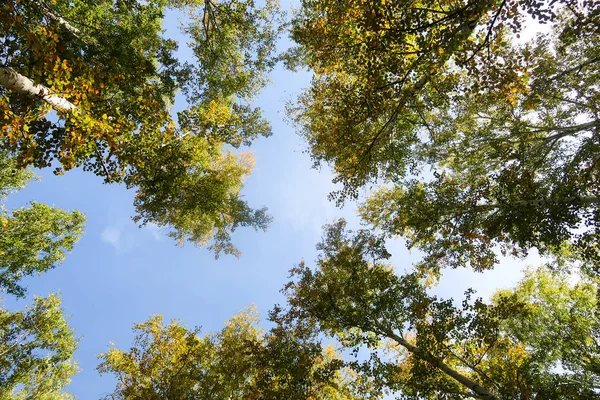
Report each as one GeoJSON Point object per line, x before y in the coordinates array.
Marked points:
{"type": "Point", "coordinates": [36, 345]}
{"type": "Point", "coordinates": [480, 142]}
{"type": "Point", "coordinates": [12, 178]}
{"type": "Point", "coordinates": [36, 350]}
{"type": "Point", "coordinates": [559, 326]}
{"type": "Point", "coordinates": [33, 239]}
{"type": "Point", "coordinates": [240, 362]}
{"type": "Point", "coordinates": [507, 348]}
{"type": "Point", "coordinates": [91, 83]}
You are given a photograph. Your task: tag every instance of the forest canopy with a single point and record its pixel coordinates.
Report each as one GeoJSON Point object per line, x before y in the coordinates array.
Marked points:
{"type": "Point", "coordinates": [469, 129]}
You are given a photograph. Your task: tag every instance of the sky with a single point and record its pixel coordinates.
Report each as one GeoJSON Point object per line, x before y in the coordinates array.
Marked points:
{"type": "Point", "coordinates": [120, 274]}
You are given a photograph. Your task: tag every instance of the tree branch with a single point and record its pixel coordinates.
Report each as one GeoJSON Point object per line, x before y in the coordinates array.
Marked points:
{"type": "Point", "coordinates": [57, 18]}
{"type": "Point", "coordinates": [14, 81]}
{"type": "Point", "coordinates": [478, 390]}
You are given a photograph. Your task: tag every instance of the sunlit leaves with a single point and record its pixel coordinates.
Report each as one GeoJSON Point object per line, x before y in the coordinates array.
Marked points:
{"type": "Point", "coordinates": [36, 349]}
{"type": "Point", "coordinates": [12, 177]}
{"type": "Point", "coordinates": [482, 143]}
{"type": "Point", "coordinates": [33, 239]}
{"type": "Point", "coordinates": [379, 66]}
{"type": "Point", "coordinates": [239, 362]}
{"type": "Point", "coordinates": [36, 345]}
{"type": "Point", "coordinates": [426, 347]}
{"type": "Point", "coordinates": [115, 65]}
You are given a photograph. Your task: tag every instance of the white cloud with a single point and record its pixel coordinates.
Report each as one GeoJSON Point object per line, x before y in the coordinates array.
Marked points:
{"type": "Point", "coordinates": [112, 236]}
{"type": "Point", "coordinates": [125, 236]}
{"type": "Point", "coordinates": [121, 237]}
{"type": "Point", "coordinates": [154, 230]}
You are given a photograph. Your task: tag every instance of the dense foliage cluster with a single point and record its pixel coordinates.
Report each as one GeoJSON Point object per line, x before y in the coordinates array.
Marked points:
{"type": "Point", "coordinates": [240, 362]}
{"type": "Point", "coordinates": [482, 142]}
{"type": "Point", "coordinates": [424, 347]}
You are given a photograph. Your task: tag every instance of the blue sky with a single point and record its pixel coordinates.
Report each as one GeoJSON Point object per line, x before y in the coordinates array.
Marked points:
{"type": "Point", "coordinates": [119, 274]}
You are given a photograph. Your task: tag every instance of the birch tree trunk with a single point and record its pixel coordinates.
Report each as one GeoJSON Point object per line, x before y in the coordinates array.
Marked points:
{"type": "Point", "coordinates": [57, 18]}
{"type": "Point", "coordinates": [14, 81]}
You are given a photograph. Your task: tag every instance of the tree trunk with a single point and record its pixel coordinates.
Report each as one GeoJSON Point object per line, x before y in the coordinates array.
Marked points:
{"type": "Point", "coordinates": [57, 18]}
{"type": "Point", "coordinates": [14, 81]}
{"type": "Point", "coordinates": [478, 390]}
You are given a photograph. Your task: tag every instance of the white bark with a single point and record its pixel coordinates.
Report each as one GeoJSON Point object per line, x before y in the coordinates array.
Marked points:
{"type": "Point", "coordinates": [57, 18]}
{"type": "Point", "coordinates": [14, 81]}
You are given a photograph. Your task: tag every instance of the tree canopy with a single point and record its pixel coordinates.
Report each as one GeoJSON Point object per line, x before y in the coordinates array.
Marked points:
{"type": "Point", "coordinates": [239, 362]}
{"type": "Point", "coordinates": [538, 340]}
{"type": "Point", "coordinates": [33, 239]}
{"type": "Point", "coordinates": [36, 344]}
{"type": "Point", "coordinates": [91, 84]}
{"type": "Point", "coordinates": [482, 142]}
{"type": "Point", "coordinates": [481, 137]}
{"type": "Point", "coordinates": [36, 350]}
